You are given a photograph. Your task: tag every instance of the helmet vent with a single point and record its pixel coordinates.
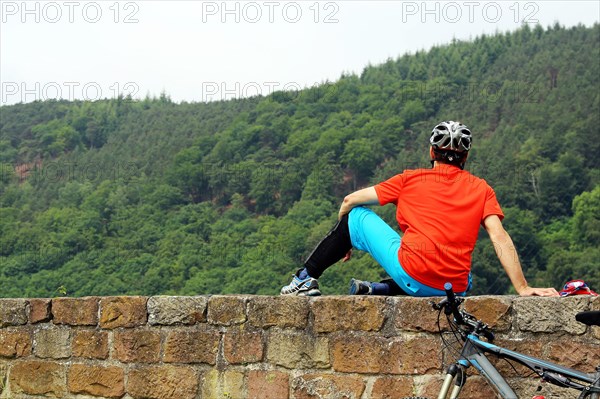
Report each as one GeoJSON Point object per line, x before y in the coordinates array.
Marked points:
{"type": "Point", "coordinates": [451, 136]}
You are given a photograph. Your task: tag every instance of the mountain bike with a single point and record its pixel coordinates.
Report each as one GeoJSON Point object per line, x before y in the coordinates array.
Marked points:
{"type": "Point", "coordinates": [475, 351]}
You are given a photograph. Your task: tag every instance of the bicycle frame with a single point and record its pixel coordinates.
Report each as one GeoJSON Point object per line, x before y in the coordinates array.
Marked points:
{"type": "Point", "coordinates": [472, 354]}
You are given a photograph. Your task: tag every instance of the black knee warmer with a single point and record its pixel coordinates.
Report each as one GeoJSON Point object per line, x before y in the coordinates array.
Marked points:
{"type": "Point", "coordinates": [331, 249]}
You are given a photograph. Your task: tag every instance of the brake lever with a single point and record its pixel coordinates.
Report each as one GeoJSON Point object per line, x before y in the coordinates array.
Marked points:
{"type": "Point", "coordinates": [439, 305]}
{"type": "Point", "coordinates": [478, 326]}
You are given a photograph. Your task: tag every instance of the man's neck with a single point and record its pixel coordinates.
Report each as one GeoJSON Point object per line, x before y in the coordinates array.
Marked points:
{"type": "Point", "coordinates": [437, 164]}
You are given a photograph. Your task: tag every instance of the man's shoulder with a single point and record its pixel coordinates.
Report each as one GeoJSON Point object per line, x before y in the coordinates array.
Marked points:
{"type": "Point", "coordinates": [416, 172]}
{"type": "Point", "coordinates": [449, 172]}
{"type": "Point", "coordinates": [443, 174]}
{"type": "Point", "coordinates": [476, 178]}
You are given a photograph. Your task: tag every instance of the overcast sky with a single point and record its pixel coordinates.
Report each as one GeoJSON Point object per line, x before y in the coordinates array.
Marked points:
{"type": "Point", "coordinates": [213, 50]}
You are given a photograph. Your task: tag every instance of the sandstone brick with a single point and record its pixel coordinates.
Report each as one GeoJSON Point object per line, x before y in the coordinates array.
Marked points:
{"type": "Point", "coordinates": [416, 314]}
{"type": "Point", "coordinates": [429, 385]}
{"type": "Point", "coordinates": [191, 346]}
{"type": "Point", "coordinates": [495, 311]}
{"type": "Point", "coordinates": [3, 374]}
{"type": "Point", "coordinates": [372, 355]}
{"type": "Point", "coordinates": [477, 387]}
{"type": "Point", "coordinates": [162, 382]}
{"type": "Point", "coordinates": [226, 310]}
{"type": "Point", "coordinates": [90, 344]}
{"type": "Point", "coordinates": [550, 315]}
{"type": "Point", "coordinates": [137, 346]}
{"type": "Point", "coordinates": [38, 378]}
{"type": "Point", "coordinates": [15, 343]}
{"type": "Point", "coordinates": [415, 355]}
{"type": "Point", "coordinates": [392, 387]}
{"type": "Point", "coordinates": [243, 346]}
{"type": "Point", "coordinates": [579, 355]}
{"type": "Point", "coordinates": [96, 380]}
{"type": "Point", "coordinates": [595, 305]}
{"type": "Point", "coordinates": [332, 313]}
{"type": "Point", "coordinates": [75, 311]}
{"type": "Point", "coordinates": [123, 311]}
{"type": "Point", "coordinates": [310, 386]}
{"type": "Point", "coordinates": [358, 354]}
{"type": "Point", "coordinates": [52, 342]}
{"type": "Point", "coordinates": [13, 312]}
{"type": "Point", "coordinates": [292, 349]}
{"type": "Point", "coordinates": [268, 385]}
{"type": "Point", "coordinates": [173, 310]}
{"type": "Point", "coordinates": [281, 311]}
{"type": "Point", "coordinates": [39, 310]}
{"type": "Point", "coordinates": [223, 384]}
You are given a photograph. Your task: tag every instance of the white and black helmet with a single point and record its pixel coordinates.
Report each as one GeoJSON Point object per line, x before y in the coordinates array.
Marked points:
{"type": "Point", "coordinates": [452, 136]}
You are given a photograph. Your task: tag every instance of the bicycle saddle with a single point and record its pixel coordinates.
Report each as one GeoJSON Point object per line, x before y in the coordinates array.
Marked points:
{"type": "Point", "coordinates": [591, 317]}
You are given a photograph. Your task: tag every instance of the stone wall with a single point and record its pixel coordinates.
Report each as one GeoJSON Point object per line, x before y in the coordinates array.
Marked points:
{"type": "Point", "coordinates": [263, 347]}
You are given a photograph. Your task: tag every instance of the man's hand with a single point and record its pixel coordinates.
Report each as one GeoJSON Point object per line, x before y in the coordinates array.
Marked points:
{"type": "Point", "coordinates": [529, 291]}
{"type": "Point", "coordinates": [348, 255]}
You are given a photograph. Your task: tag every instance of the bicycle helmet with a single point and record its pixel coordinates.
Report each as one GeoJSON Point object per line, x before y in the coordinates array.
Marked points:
{"type": "Point", "coordinates": [450, 135]}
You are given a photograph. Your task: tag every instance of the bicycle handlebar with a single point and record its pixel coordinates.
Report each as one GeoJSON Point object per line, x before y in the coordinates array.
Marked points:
{"type": "Point", "coordinates": [451, 304]}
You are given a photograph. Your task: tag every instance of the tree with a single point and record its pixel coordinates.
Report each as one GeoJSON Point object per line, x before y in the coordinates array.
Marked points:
{"type": "Point", "coordinates": [586, 219]}
{"type": "Point", "coordinates": [361, 156]}
{"type": "Point", "coordinates": [413, 111]}
{"type": "Point", "coordinates": [55, 137]}
{"type": "Point", "coordinates": [559, 183]}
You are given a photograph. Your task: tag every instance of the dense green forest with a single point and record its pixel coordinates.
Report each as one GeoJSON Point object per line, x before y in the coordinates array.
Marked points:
{"type": "Point", "coordinates": [124, 196]}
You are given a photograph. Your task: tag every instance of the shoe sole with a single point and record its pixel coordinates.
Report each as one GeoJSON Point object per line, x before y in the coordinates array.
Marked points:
{"type": "Point", "coordinates": [310, 292]}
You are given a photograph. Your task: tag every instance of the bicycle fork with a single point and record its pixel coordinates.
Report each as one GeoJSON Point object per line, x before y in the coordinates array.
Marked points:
{"type": "Point", "coordinates": [472, 356]}
{"type": "Point", "coordinates": [457, 374]}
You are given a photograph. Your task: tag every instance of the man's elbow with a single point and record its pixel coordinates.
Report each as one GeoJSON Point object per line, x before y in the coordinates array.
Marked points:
{"type": "Point", "coordinates": [499, 235]}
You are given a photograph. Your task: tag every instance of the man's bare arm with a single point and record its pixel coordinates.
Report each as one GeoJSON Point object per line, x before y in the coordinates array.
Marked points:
{"type": "Point", "coordinates": [366, 196]}
{"type": "Point", "coordinates": [507, 254]}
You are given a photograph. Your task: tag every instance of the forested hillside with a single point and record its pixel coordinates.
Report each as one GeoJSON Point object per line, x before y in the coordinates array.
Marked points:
{"type": "Point", "coordinates": [153, 197]}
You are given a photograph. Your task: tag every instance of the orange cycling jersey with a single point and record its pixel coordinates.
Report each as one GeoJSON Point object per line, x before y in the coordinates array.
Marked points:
{"type": "Point", "coordinates": [439, 211]}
